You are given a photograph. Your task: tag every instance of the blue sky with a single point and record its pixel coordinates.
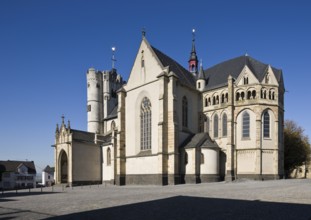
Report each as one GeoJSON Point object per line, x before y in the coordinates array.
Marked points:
{"type": "Point", "coordinates": [46, 46]}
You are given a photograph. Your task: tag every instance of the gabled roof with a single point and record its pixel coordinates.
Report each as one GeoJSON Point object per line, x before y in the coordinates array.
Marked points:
{"type": "Point", "coordinates": [202, 140]}
{"type": "Point", "coordinates": [184, 75]}
{"type": "Point", "coordinates": [217, 75]}
{"type": "Point", "coordinates": [12, 166]}
{"type": "Point", "coordinates": [49, 169]}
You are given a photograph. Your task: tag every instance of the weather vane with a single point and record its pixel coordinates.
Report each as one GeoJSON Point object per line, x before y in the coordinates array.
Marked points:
{"type": "Point", "coordinates": [113, 57]}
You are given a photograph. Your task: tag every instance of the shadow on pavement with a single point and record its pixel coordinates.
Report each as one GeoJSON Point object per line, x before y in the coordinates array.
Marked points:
{"type": "Point", "coordinates": [4, 196]}
{"type": "Point", "coordinates": [183, 207]}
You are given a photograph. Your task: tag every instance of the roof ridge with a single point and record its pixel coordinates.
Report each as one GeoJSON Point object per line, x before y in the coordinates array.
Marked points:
{"type": "Point", "coordinates": [185, 76]}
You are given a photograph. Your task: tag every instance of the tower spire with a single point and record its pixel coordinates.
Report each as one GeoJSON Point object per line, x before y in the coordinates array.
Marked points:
{"type": "Point", "coordinates": [113, 59]}
{"type": "Point", "coordinates": [193, 60]}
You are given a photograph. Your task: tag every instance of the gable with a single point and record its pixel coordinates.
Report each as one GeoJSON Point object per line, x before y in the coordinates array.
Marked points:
{"type": "Point", "coordinates": [269, 77]}
{"type": "Point", "coordinates": [22, 169]}
{"type": "Point", "coordinates": [246, 77]}
{"type": "Point", "coordinates": [146, 67]}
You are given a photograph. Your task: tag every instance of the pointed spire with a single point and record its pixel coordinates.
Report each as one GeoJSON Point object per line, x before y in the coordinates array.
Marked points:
{"type": "Point", "coordinates": [57, 129]}
{"type": "Point", "coordinates": [68, 125]}
{"type": "Point", "coordinates": [193, 60]}
{"type": "Point", "coordinates": [63, 121]}
{"type": "Point", "coordinates": [113, 59]}
{"type": "Point", "coordinates": [193, 54]}
{"type": "Point", "coordinates": [143, 32]}
{"type": "Point", "coordinates": [201, 71]}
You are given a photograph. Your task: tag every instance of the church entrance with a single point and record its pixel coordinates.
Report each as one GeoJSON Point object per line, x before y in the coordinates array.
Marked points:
{"type": "Point", "coordinates": [63, 167]}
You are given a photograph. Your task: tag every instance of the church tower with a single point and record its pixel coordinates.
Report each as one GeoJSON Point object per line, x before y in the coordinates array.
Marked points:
{"type": "Point", "coordinates": [193, 60]}
{"type": "Point", "coordinates": [94, 100]}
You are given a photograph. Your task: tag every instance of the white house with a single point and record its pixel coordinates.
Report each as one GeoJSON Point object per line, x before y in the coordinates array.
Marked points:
{"type": "Point", "coordinates": [17, 174]}
{"type": "Point", "coordinates": [48, 176]}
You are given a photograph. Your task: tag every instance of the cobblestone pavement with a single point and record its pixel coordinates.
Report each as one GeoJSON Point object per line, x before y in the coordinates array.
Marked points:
{"type": "Point", "coordinates": [281, 199]}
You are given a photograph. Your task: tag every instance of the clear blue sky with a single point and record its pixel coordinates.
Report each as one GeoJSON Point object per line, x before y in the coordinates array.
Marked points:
{"type": "Point", "coordinates": [46, 46]}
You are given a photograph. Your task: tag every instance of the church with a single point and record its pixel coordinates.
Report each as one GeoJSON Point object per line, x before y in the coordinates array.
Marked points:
{"type": "Point", "coordinates": [171, 125]}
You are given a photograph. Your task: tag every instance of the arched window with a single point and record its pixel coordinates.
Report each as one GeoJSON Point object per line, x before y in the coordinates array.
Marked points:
{"type": "Point", "coordinates": [206, 103]}
{"type": "Point", "coordinates": [184, 112]}
{"type": "Point", "coordinates": [206, 124]}
{"type": "Point", "coordinates": [192, 68]}
{"type": "Point", "coordinates": [222, 98]}
{"type": "Point", "coordinates": [254, 94]}
{"type": "Point", "coordinates": [145, 124]}
{"type": "Point", "coordinates": [214, 100]}
{"type": "Point", "coordinates": [249, 95]}
{"type": "Point", "coordinates": [224, 125]}
{"type": "Point", "coordinates": [108, 157]}
{"type": "Point", "coordinates": [237, 96]}
{"type": "Point", "coordinates": [242, 95]}
{"type": "Point", "coordinates": [226, 97]}
{"type": "Point", "coordinates": [266, 125]}
{"type": "Point", "coordinates": [216, 126]}
{"type": "Point", "coordinates": [245, 125]}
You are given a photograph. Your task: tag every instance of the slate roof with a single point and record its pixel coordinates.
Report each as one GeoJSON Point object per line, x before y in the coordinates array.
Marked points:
{"type": "Point", "coordinates": [202, 140]}
{"type": "Point", "coordinates": [217, 75]}
{"type": "Point", "coordinates": [113, 113]}
{"type": "Point", "coordinates": [49, 169]}
{"type": "Point", "coordinates": [105, 139]}
{"type": "Point", "coordinates": [82, 136]}
{"type": "Point", "coordinates": [184, 75]}
{"type": "Point", "coordinates": [12, 166]}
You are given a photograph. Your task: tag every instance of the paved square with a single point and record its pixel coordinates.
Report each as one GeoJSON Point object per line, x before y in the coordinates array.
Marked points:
{"type": "Point", "coordinates": [282, 199]}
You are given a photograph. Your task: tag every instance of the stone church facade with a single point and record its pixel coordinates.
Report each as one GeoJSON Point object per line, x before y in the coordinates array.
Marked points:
{"type": "Point", "coordinates": [169, 125]}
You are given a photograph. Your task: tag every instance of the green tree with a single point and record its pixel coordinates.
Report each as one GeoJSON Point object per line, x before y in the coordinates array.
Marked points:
{"type": "Point", "coordinates": [296, 146]}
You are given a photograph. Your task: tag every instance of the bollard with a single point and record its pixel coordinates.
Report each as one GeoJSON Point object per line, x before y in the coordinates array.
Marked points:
{"type": "Point", "coordinates": [16, 191]}
{"type": "Point", "coordinates": [41, 189]}
{"type": "Point", "coordinates": [52, 188]}
{"type": "Point", "coordinates": [63, 187]}
{"type": "Point", "coordinates": [29, 190]}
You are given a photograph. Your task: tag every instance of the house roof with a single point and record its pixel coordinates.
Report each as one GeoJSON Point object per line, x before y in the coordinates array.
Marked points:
{"type": "Point", "coordinates": [202, 140]}
{"type": "Point", "coordinates": [49, 169]}
{"type": "Point", "coordinates": [184, 75]}
{"type": "Point", "coordinates": [12, 166]}
{"type": "Point", "coordinates": [217, 75]}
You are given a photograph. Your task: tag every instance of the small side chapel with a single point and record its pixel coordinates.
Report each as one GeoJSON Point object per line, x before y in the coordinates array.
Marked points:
{"type": "Point", "coordinates": [170, 125]}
